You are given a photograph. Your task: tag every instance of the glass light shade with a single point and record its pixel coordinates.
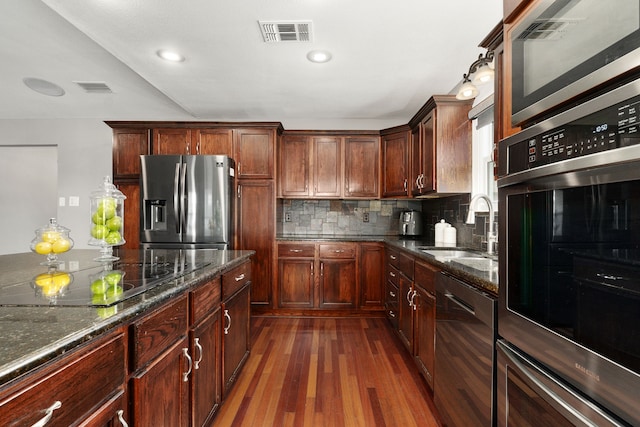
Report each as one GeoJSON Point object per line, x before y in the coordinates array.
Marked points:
{"type": "Point", "coordinates": [467, 91]}
{"type": "Point", "coordinates": [483, 75]}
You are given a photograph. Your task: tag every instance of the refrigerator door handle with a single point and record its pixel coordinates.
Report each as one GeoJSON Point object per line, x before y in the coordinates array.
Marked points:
{"type": "Point", "coordinates": [176, 197]}
{"type": "Point", "coordinates": [183, 198]}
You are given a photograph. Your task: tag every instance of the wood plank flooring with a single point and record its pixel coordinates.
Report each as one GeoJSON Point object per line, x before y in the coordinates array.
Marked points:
{"type": "Point", "coordinates": [327, 372]}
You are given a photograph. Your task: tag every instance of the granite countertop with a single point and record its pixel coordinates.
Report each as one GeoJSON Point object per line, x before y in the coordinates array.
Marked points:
{"type": "Point", "coordinates": [32, 335]}
{"type": "Point", "coordinates": [485, 280]}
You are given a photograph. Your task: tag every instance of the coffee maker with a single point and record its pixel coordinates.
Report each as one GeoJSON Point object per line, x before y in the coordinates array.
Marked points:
{"type": "Point", "coordinates": [410, 224]}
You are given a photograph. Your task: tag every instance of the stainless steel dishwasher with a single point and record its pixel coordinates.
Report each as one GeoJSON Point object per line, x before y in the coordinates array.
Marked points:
{"type": "Point", "coordinates": [464, 374]}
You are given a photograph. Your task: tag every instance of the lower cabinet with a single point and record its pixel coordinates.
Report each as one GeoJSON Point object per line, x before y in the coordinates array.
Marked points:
{"type": "Point", "coordinates": [424, 328]}
{"type": "Point", "coordinates": [236, 332]}
{"type": "Point", "coordinates": [71, 391]}
{"type": "Point", "coordinates": [323, 276]}
{"type": "Point", "coordinates": [411, 307]}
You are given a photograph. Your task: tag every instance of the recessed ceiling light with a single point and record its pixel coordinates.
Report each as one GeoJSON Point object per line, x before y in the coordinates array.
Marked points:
{"type": "Point", "coordinates": [43, 86]}
{"type": "Point", "coordinates": [170, 56]}
{"type": "Point", "coordinates": [319, 56]}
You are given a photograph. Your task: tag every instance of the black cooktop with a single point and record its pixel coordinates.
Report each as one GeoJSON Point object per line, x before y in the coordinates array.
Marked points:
{"type": "Point", "coordinates": [103, 285]}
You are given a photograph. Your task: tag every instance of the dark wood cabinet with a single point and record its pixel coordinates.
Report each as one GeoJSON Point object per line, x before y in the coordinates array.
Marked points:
{"type": "Point", "coordinates": [206, 348]}
{"type": "Point", "coordinates": [172, 141]}
{"type": "Point", "coordinates": [254, 151]}
{"type": "Point", "coordinates": [128, 146]}
{"type": "Point", "coordinates": [361, 167]}
{"type": "Point", "coordinates": [395, 162]}
{"type": "Point", "coordinates": [337, 282]}
{"type": "Point", "coordinates": [327, 166]}
{"type": "Point", "coordinates": [236, 323]}
{"type": "Point", "coordinates": [296, 271]}
{"type": "Point", "coordinates": [72, 388]}
{"type": "Point", "coordinates": [400, 270]}
{"type": "Point", "coordinates": [425, 319]}
{"type": "Point", "coordinates": [256, 231]}
{"type": "Point", "coordinates": [371, 276]}
{"type": "Point", "coordinates": [441, 147]}
{"type": "Point", "coordinates": [213, 141]}
{"type": "Point", "coordinates": [131, 191]}
{"type": "Point", "coordinates": [295, 163]}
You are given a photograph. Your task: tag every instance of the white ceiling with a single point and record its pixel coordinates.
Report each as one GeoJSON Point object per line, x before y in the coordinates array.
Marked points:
{"type": "Point", "coordinates": [388, 59]}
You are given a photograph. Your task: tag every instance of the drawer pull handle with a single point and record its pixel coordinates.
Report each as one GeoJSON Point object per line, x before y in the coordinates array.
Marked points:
{"type": "Point", "coordinates": [393, 294]}
{"type": "Point", "coordinates": [48, 414]}
{"type": "Point", "coordinates": [295, 250]}
{"type": "Point", "coordinates": [226, 316]}
{"type": "Point", "coordinates": [120, 414]}
{"type": "Point", "coordinates": [393, 257]}
{"type": "Point", "coordinates": [240, 277]}
{"type": "Point", "coordinates": [392, 274]}
{"type": "Point", "coordinates": [185, 376]}
{"type": "Point", "coordinates": [196, 343]}
{"type": "Point", "coordinates": [339, 251]}
{"type": "Point", "coordinates": [391, 314]}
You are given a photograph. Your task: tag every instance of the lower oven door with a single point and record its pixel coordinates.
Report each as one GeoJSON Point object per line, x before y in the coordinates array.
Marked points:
{"type": "Point", "coordinates": [530, 396]}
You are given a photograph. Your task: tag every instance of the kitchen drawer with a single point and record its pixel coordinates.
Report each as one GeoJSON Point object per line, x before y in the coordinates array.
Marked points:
{"type": "Point", "coordinates": [392, 302]}
{"type": "Point", "coordinates": [204, 299]}
{"type": "Point", "coordinates": [425, 277]}
{"type": "Point", "coordinates": [296, 250]}
{"type": "Point", "coordinates": [393, 275]}
{"type": "Point", "coordinates": [81, 382]}
{"type": "Point", "coordinates": [154, 333]}
{"type": "Point", "coordinates": [402, 262]}
{"type": "Point", "coordinates": [235, 279]}
{"type": "Point", "coordinates": [337, 250]}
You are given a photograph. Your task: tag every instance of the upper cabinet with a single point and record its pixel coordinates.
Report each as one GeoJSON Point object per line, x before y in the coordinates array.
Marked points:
{"type": "Point", "coordinates": [254, 150]}
{"type": "Point", "coordinates": [327, 166]}
{"type": "Point", "coordinates": [395, 161]}
{"type": "Point", "coordinates": [441, 155]}
{"type": "Point", "coordinates": [128, 146]}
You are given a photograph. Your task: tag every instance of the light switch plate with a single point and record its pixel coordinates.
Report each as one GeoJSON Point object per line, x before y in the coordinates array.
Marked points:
{"type": "Point", "coordinates": [74, 201]}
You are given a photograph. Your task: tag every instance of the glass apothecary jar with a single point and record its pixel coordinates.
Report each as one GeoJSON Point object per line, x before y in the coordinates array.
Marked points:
{"type": "Point", "coordinates": [51, 240]}
{"type": "Point", "coordinates": [107, 219]}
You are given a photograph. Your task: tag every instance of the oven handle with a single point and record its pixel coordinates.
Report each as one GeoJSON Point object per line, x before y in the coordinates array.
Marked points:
{"type": "Point", "coordinates": [553, 392]}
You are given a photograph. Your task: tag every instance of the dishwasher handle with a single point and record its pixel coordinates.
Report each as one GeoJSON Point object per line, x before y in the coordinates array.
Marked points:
{"type": "Point", "coordinates": [460, 303]}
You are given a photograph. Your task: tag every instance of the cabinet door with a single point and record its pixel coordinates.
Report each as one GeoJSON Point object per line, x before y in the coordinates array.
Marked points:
{"type": "Point", "coordinates": [206, 383]}
{"type": "Point", "coordinates": [131, 213]}
{"type": "Point", "coordinates": [294, 166]}
{"type": "Point", "coordinates": [337, 283]}
{"type": "Point", "coordinates": [160, 391]}
{"type": "Point", "coordinates": [395, 168]}
{"type": "Point", "coordinates": [295, 283]}
{"type": "Point", "coordinates": [405, 316]}
{"type": "Point", "coordinates": [256, 231]}
{"type": "Point", "coordinates": [424, 333]}
{"type": "Point", "coordinates": [128, 146]}
{"type": "Point", "coordinates": [361, 167]}
{"type": "Point", "coordinates": [254, 153]}
{"type": "Point", "coordinates": [428, 154]}
{"type": "Point", "coordinates": [172, 141]}
{"type": "Point", "coordinates": [371, 275]}
{"type": "Point", "coordinates": [235, 337]}
{"type": "Point", "coordinates": [327, 166]}
{"type": "Point", "coordinates": [213, 141]}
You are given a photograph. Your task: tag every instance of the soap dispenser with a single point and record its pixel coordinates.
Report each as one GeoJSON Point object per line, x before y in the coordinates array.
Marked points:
{"type": "Point", "coordinates": [440, 228]}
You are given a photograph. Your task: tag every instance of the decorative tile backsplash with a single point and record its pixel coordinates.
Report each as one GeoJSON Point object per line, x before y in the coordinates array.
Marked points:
{"type": "Point", "coordinates": [341, 217]}
{"type": "Point", "coordinates": [346, 218]}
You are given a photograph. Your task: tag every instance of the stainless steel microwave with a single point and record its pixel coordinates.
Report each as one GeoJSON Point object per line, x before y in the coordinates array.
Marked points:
{"type": "Point", "coordinates": [560, 50]}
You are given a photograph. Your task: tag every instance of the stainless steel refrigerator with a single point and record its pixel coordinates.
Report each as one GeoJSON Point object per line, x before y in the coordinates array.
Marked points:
{"type": "Point", "coordinates": [186, 202]}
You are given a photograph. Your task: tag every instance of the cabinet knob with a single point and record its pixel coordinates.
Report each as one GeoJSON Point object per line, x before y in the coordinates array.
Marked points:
{"type": "Point", "coordinates": [48, 414]}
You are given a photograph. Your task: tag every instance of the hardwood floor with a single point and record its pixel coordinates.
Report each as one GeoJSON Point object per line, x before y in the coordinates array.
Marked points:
{"type": "Point", "coordinates": [327, 372]}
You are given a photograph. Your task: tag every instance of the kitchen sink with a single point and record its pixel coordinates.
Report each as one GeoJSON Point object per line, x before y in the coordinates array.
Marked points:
{"type": "Point", "coordinates": [450, 253]}
{"type": "Point", "coordinates": [467, 258]}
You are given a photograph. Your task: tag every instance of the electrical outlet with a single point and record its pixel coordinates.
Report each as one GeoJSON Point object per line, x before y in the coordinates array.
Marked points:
{"type": "Point", "coordinates": [365, 217]}
{"type": "Point", "coordinates": [287, 217]}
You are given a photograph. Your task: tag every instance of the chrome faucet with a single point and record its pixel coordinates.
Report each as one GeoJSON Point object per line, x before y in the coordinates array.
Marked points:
{"type": "Point", "coordinates": [492, 238]}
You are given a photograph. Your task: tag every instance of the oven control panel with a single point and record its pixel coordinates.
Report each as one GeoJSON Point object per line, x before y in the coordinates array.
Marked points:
{"type": "Point", "coordinates": [613, 127]}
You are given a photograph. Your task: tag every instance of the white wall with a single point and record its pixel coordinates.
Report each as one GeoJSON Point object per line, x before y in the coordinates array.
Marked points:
{"type": "Point", "coordinates": [84, 158]}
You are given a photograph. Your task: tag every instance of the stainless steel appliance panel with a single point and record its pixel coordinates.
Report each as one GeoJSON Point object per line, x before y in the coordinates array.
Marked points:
{"type": "Point", "coordinates": [566, 48]}
{"type": "Point", "coordinates": [464, 390]}
{"type": "Point", "coordinates": [530, 396]}
{"type": "Point", "coordinates": [160, 202]}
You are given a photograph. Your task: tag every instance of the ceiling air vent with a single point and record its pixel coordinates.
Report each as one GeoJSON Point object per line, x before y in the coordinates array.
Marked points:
{"type": "Point", "coordinates": [285, 31]}
{"type": "Point", "coordinates": [94, 87]}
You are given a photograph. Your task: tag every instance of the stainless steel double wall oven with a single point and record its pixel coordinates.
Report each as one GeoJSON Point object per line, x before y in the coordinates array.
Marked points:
{"type": "Point", "coordinates": [569, 310]}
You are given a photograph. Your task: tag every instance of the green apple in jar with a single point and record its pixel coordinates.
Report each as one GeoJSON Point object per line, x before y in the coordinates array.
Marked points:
{"type": "Point", "coordinates": [99, 232]}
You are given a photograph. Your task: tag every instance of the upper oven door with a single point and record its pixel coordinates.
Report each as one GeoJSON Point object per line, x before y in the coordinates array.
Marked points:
{"type": "Point", "coordinates": [560, 49]}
